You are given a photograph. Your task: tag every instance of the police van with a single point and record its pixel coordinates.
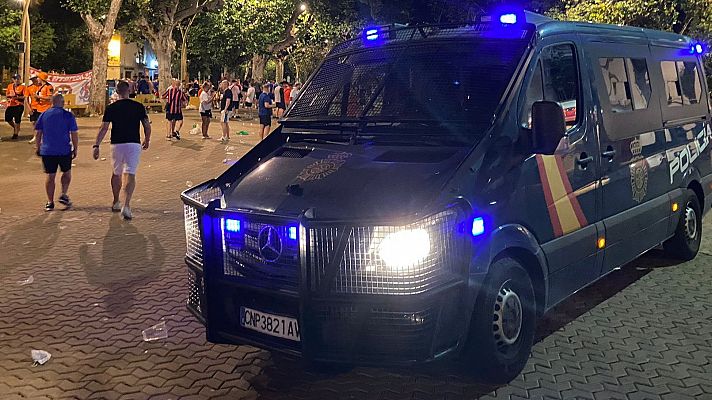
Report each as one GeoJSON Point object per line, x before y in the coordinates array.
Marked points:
{"type": "Point", "coordinates": [434, 190]}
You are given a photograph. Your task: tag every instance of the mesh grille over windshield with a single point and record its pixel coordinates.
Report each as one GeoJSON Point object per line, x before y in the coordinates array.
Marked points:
{"type": "Point", "coordinates": [440, 81]}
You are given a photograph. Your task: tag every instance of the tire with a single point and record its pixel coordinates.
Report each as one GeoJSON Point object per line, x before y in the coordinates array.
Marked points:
{"type": "Point", "coordinates": [498, 349]}
{"type": "Point", "coordinates": [685, 244]}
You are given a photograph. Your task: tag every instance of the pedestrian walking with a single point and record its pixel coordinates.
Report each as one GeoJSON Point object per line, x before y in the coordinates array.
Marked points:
{"type": "Point", "coordinates": [250, 96]}
{"type": "Point", "coordinates": [236, 89]}
{"type": "Point", "coordinates": [142, 86]}
{"type": "Point", "coordinates": [175, 99]}
{"type": "Point", "coordinates": [57, 140]}
{"type": "Point", "coordinates": [40, 97]}
{"type": "Point", "coordinates": [125, 116]}
{"type": "Point", "coordinates": [295, 91]}
{"type": "Point", "coordinates": [133, 87]}
{"type": "Point", "coordinates": [287, 94]}
{"type": "Point", "coordinates": [264, 107]}
{"type": "Point", "coordinates": [206, 108]}
{"type": "Point", "coordinates": [279, 99]}
{"type": "Point", "coordinates": [15, 94]}
{"type": "Point", "coordinates": [225, 103]}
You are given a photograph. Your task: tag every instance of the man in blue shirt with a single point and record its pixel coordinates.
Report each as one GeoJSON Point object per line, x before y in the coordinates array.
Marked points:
{"type": "Point", "coordinates": [57, 139]}
{"type": "Point", "coordinates": [264, 107]}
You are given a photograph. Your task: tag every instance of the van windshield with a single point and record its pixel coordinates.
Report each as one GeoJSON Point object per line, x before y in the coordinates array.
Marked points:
{"type": "Point", "coordinates": [442, 82]}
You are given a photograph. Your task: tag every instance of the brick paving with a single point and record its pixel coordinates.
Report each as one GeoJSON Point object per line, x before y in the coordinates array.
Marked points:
{"type": "Point", "coordinates": [643, 332]}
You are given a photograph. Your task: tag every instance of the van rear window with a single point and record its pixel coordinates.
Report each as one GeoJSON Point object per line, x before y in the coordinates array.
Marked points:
{"type": "Point", "coordinates": [460, 81]}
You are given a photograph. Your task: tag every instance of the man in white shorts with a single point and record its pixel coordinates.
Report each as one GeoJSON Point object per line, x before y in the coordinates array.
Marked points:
{"type": "Point", "coordinates": [125, 116]}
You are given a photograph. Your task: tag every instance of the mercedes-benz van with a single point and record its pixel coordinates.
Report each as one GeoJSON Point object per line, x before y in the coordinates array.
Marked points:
{"type": "Point", "coordinates": [434, 190]}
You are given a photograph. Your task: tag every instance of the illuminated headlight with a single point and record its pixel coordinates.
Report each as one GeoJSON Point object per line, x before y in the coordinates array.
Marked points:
{"type": "Point", "coordinates": [403, 249]}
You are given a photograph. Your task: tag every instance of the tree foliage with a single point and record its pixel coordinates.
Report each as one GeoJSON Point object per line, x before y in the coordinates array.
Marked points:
{"type": "Point", "coordinates": [43, 36]}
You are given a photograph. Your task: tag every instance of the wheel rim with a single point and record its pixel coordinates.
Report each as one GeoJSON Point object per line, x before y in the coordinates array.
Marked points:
{"type": "Point", "coordinates": [690, 223]}
{"type": "Point", "coordinates": [507, 318]}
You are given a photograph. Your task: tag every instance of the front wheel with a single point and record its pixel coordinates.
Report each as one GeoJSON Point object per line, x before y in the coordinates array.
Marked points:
{"type": "Point", "coordinates": [503, 323]}
{"type": "Point", "coordinates": [685, 244]}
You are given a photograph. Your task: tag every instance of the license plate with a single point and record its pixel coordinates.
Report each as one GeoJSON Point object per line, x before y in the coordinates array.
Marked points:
{"type": "Point", "coordinates": [269, 324]}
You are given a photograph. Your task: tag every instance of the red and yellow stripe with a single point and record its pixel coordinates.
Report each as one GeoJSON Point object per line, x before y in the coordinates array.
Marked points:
{"type": "Point", "coordinates": [561, 201]}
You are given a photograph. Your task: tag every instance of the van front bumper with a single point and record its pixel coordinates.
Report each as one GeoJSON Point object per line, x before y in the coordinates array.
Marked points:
{"type": "Point", "coordinates": [360, 329]}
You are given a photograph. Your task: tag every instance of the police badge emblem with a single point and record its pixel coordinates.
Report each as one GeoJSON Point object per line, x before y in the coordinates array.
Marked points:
{"type": "Point", "coordinates": [323, 168]}
{"type": "Point", "coordinates": [638, 172]}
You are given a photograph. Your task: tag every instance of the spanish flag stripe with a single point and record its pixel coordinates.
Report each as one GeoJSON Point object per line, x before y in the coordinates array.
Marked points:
{"type": "Point", "coordinates": [580, 216]}
{"type": "Point", "coordinates": [555, 224]}
{"type": "Point", "coordinates": [562, 202]}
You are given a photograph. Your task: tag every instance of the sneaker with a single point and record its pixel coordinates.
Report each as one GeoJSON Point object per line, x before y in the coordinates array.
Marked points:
{"type": "Point", "coordinates": [126, 213]}
{"type": "Point", "coordinates": [116, 207]}
{"type": "Point", "coordinates": [14, 137]}
{"type": "Point", "coordinates": [64, 200]}
{"type": "Point", "coordinates": [176, 135]}
{"type": "Point", "coordinates": [206, 137]}
{"type": "Point", "coordinates": [31, 140]}
{"type": "Point", "coordinates": [49, 206]}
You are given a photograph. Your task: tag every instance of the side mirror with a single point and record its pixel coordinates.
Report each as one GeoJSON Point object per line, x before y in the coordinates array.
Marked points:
{"type": "Point", "coordinates": [548, 126]}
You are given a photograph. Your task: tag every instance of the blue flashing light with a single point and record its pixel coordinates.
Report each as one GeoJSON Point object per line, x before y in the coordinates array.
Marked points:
{"type": "Point", "coordinates": [508, 18]}
{"type": "Point", "coordinates": [372, 34]}
{"type": "Point", "coordinates": [232, 225]}
{"type": "Point", "coordinates": [478, 226]}
{"type": "Point", "coordinates": [697, 49]}
{"type": "Point", "coordinates": [293, 232]}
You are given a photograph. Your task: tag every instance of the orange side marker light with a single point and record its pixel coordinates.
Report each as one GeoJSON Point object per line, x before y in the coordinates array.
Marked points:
{"type": "Point", "coordinates": [601, 243]}
{"type": "Point", "coordinates": [675, 206]}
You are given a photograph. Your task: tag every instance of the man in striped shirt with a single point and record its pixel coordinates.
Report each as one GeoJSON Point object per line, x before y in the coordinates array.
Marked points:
{"type": "Point", "coordinates": [175, 98]}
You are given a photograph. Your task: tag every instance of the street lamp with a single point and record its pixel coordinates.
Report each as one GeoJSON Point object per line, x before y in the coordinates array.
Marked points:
{"type": "Point", "coordinates": [302, 7]}
{"type": "Point", "coordinates": [24, 58]}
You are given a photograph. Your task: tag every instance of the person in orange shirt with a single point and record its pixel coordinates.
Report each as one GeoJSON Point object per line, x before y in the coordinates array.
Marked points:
{"type": "Point", "coordinates": [15, 107]}
{"type": "Point", "coordinates": [40, 96]}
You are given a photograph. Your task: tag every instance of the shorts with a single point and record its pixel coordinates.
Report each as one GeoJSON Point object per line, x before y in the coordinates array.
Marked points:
{"type": "Point", "coordinates": [35, 116]}
{"type": "Point", "coordinates": [248, 104]}
{"type": "Point", "coordinates": [265, 120]}
{"type": "Point", "coordinates": [281, 105]}
{"type": "Point", "coordinates": [208, 113]}
{"type": "Point", "coordinates": [14, 113]}
{"type": "Point", "coordinates": [125, 157]}
{"type": "Point", "coordinates": [51, 163]}
{"type": "Point", "coordinates": [224, 116]}
{"type": "Point", "coordinates": [174, 117]}
{"type": "Point", "coordinates": [233, 105]}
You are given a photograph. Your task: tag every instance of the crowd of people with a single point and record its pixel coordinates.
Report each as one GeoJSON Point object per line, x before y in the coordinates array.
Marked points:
{"type": "Point", "coordinates": [56, 133]}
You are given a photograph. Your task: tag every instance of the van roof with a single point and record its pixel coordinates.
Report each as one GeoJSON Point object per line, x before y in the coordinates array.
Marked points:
{"type": "Point", "coordinates": [546, 27]}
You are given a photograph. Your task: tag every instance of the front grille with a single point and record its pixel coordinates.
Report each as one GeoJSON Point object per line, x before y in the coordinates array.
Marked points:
{"type": "Point", "coordinates": [196, 292]}
{"type": "Point", "coordinates": [368, 332]}
{"type": "Point", "coordinates": [194, 246]}
{"type": "Point", "coordinates": [361, 270]}
{"type": "Point", "coordinates": [275, 267]}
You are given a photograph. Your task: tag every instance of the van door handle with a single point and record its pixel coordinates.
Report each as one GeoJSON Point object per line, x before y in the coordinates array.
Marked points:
{"type": "Point", "coordinates": [584, 160]}
{"type": "Point", "coordinates": [609, 154]}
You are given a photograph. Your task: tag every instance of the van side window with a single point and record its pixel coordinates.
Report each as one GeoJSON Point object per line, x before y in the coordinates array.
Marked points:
{"type": "Point", "coordinates": [617, 86]}
{"type": "Point", "coordinates": [640, 82]}
{"type": "Point", "coordinates": [627, 83]}
{"type": "Point", "coordinates": [556, 79]}
{"type": "Point", "coordinates": [689, 82]}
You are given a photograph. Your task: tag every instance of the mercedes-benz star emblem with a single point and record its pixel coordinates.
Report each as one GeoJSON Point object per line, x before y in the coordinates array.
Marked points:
{"type": "Point", "coordinates": [270, 244]}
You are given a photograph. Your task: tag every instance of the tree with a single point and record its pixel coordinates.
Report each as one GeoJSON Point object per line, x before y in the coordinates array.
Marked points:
{"type": "Point", "coordinates": [158, 19]}
{"type": "Point", "coordinates": [100, 19]}
{"type": "Point", "coordinates": [43, 37]}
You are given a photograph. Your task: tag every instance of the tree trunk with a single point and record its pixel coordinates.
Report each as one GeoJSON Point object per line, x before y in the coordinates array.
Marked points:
{"type": "Point", "coordinates": [163, 44]}
{"type": "Point", "coordinates": [97, 91]}
{"type": "Point", "coordinates": [259, 63]}
{"type": "Point", "coordinates": [279, 71]}
{"type": "Point", "coordinates": [184, 62]}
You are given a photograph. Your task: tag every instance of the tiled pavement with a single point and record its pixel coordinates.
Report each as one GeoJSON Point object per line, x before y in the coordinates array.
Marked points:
{"type": "Point", "coordinates": [644, 332]}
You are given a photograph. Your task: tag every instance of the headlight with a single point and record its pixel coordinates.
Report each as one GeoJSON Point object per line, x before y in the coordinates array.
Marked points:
{"type": "Point", "coordinates": [402, 249]}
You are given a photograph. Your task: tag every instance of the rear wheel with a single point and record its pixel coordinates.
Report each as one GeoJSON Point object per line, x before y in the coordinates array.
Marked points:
{"type": "Point", "coordinates": [685, 244]}
{"type": "Point", "coordinates": [503, 323]}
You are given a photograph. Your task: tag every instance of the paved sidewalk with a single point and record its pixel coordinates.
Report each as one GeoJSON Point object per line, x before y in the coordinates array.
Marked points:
{"type": "Point", "coordinates": [642, 332]}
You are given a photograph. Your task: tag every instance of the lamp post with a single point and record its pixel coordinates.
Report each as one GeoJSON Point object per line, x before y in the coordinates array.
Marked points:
{"type": "Point", "coordinates": [24, 61]}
